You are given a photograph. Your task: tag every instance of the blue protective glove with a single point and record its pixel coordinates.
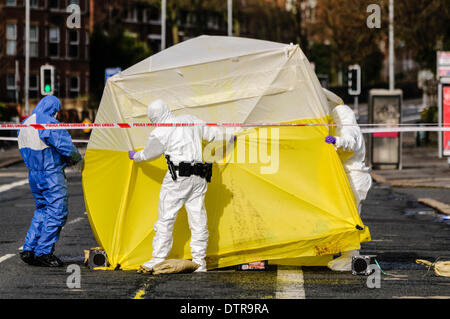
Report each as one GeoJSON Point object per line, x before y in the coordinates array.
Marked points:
{"type": "Point", "coordinates": [131, 154]}
{"type": "Point", "coordinates": [330, 139]}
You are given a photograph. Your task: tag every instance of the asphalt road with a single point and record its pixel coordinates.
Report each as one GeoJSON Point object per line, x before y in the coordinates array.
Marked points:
{"type": "Point", "coordinates": [402, 231]}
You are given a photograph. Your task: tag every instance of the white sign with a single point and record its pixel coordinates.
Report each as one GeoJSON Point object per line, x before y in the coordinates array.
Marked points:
{"type": "Point", "coordinates": [443, 64]}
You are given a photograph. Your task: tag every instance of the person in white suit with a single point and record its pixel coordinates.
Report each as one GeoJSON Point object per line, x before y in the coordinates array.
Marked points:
{"type": "Point", "coordinates": [349, 138]}
{"type": "Point", "coordinates": [185, 182]}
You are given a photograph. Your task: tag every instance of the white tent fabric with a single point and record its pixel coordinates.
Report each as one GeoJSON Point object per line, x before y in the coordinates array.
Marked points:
{"type": "Point", "coordinates": [225, 79]}
{"type": "Point", "coordinates": [295, 202]}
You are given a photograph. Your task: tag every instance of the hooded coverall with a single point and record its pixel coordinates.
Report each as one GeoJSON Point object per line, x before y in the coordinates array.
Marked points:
{"type": "Point", "coordinates": [350, 138]}
{"type": "Point", "coordinates": [182, 144]}
{"type": "Point", "coordinates": [46, 152]}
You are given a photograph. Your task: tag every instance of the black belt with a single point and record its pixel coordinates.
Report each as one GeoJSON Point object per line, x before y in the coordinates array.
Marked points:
{"type": "Point", "coordinates": [186, 169]}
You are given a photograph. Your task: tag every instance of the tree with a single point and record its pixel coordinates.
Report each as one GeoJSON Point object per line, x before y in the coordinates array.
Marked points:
{"type": "Point", "coordinates": [115, 49]}
{"type": "Point", "coordinates": [421, 25]}
{"type": "Point", "coordinates": [343, 24]}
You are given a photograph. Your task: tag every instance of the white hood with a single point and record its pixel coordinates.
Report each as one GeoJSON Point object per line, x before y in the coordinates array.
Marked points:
{"type": "Point", "coordinates": [344, 115]}
{"type": "Point", "coordinates": [158, 112]}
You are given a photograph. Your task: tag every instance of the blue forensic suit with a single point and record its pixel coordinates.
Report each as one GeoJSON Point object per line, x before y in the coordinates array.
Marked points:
{"type": "Point", "coordinates": [46, 153]}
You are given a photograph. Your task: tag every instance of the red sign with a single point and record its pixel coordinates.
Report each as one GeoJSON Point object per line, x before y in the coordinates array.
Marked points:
{"type": "Point", "coordinates": [386, 134]}
{"type": "Point", "coordinates": [446, 118]}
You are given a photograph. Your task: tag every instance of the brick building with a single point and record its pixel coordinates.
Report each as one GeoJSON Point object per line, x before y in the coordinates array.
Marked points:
{"type": "Point", "coordinates": [51, 42]}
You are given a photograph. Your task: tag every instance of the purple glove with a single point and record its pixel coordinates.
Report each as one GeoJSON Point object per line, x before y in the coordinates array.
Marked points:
{"type": "Point", "coordinates": [330, 139]}
{"type": "Point", "coordinates": [131, 154]}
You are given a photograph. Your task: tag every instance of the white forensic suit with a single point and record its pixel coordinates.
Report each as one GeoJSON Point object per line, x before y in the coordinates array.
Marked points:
{"type": "Point", "coordinates": [350, 138]}
{"type": "Point", "coordinates": [182, 144]}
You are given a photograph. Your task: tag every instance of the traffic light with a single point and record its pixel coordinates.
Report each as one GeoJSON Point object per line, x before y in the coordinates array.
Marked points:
{"type": "Point", "coordinates": [47, 79]}
{"type": "Point", "coordinates": [354, 80]}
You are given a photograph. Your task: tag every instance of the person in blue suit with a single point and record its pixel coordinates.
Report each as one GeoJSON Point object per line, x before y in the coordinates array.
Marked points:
{"type": "Point", "coordinates": [46, 152]}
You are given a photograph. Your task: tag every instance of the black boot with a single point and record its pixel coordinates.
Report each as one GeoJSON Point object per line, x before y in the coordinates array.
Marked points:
{"type": "Point", "coordinates": [49, 260]}
{"type": "Point", "coordinates": [28, 257]}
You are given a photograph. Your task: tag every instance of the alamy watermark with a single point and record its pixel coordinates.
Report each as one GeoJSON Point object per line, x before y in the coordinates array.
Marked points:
{"type": "Point", "coordinates": [74, 19]}
{"type": "Point", "coordinates": [374, 279]}
{"type": "Point", "coordinates": [261, 146]}
{"type": "Point", "coordinates": [74, 279]}
{"type": "Point", "coordinates": [374, 19]}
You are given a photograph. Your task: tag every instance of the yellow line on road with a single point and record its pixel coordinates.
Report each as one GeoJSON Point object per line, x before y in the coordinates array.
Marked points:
{"type": "Point", "coordinates": [139, 294]}
{"type": "Point", "coordinates": [142, 291]}
{"type": "Point", "coordinates": [290, 283]}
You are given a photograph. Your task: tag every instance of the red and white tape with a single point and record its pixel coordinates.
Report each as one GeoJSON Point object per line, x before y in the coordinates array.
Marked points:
{"type": "Point", "coordinates": [366, 128]}
{"type": "Point", "coordinates": [382, 130]}
{"type": "Point", "coordinates": [15, 139]}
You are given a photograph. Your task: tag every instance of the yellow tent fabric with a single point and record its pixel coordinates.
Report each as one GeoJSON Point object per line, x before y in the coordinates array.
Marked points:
{"type": "Point", "coordinates": [288, 199]}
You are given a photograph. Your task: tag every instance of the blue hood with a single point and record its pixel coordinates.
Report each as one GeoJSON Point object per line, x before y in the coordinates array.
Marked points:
{"type": "Point", "coordinates": [49, 105]}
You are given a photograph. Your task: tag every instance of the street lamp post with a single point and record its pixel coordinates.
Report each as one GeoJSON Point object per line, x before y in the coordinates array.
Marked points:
{"type": "Point", "coordinates": [391, 46]}
{"type": "Point", "coordinates": [230, 18]}
{"type": "Point", "coordinates": [27, 55]}
{"type": "Point", "coordinates": [163, 24]}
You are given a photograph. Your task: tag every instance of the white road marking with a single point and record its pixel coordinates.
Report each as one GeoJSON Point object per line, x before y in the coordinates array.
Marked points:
{"type": "Point", "coordinates": [76, 220]}
{"type": "Point", "coordinates": [17, 174]}
{"type": "Point", "coordinates": [290, 283]}
{"type": "Point", "coordinates": [6, 257]}
{"type": "Point", "coordinates": [7, 187]}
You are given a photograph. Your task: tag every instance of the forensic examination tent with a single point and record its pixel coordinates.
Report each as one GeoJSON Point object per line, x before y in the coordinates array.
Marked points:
{"type": "Point", "coordinates": [281, 194]}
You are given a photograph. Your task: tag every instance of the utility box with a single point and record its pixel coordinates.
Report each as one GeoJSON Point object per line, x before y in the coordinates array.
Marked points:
{"type": "Point", "coordinates": [444, 116]}
{"type": "Point", "coordinates": [385, 109]}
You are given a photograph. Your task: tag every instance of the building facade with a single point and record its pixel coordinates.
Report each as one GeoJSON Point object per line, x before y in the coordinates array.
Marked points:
{"type": "Point", "coordinates": [67, 49]}
{"type": "Point", "coordinates": [52, 42]}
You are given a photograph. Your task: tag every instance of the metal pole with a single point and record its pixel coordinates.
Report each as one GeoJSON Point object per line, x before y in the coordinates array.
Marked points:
{"type": "Point", "coordinates": [230, 18]}
{"type": "Point", "coordinates": [163, 24]}
{"type": "Point", "coordinates": [27, 55]}
{"type": "Point", "coordinates": [391, 46]}
{"type": "Point", "coordinates": [17, 81]}
{"type": "Point", "coordinates": [356, 107]}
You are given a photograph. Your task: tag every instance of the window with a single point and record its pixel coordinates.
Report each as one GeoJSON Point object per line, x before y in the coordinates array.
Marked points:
{"type": "Point", "coordinates": [11, 86]}
{"type": "Point", "coordinates": [74, 87]}
{"type": "Point", "coordinates": [73, 43]}
{"type": "Point", "coordinates": [154, 16]}
{"type": "Point", "coordinates": [11, 2]}
{"type": "Point", "coordinates": [86, 54]}
{"type": "Point", "coordinates": [154, 42]}
{"type": "Point", "coordinates": [213, 22]}
{"type": "Point", "coordinates": [34, 41]}
{"type": "Point", "coordinates": [34, 87]}
{"type": "Point", "coordinates": [53, 44]}
{"type": "Point", "coordinates": [11, 39]}
{"type": "Point", "coordinates": [53, 4]}
{"type": "Point", "coordinates": [144, 16]}
{"type": "Point", "coordinates": [34, 3]}
{"type": "Point", "coordinates": [132, 15]}
{"type": "Point", "coordinates": [191, 19]}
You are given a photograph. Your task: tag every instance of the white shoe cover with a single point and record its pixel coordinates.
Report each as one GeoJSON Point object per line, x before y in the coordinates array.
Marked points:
{"type": "Point", "coordinates": [152, 262]}
{"type": "Point", "coordinates": [202, 264]}
{"type": "Point", "coordinates": [343, 263]}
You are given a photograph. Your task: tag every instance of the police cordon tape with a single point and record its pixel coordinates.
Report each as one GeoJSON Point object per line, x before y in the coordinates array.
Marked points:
{"type": "Point", "coordinates": [376, 128]}
{"type": "Point", "coordinates": [370, 128]}
{"type": "Point", "coordinates": [15, 139]}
